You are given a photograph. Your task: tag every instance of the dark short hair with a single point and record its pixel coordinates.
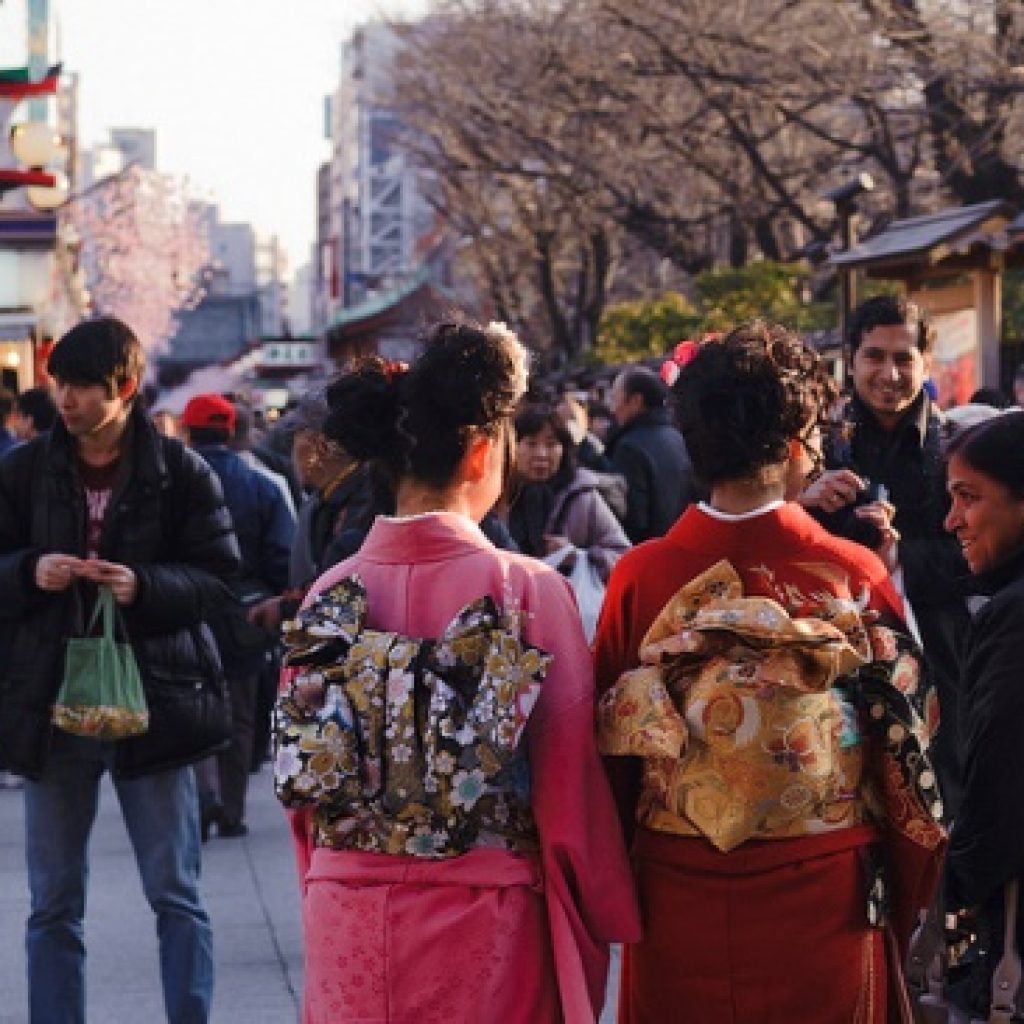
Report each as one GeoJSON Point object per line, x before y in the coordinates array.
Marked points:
{"type": "Point", "coordinates": [101, 351]}
{"type": "Point", "coordinates": [996, 449]}
{"type": "Point", "coordinates": [890, 311]}
{"type": "Point", "coordinates": [642, 381]}
{"type": "Point", "coordinates": [742, 400]}
{"type": "Point", "coordinates": [7, 403]}
{"type": "Point", "coordinates": [38, 405]}
{"type": "Point", "coordinates": [531, 420]}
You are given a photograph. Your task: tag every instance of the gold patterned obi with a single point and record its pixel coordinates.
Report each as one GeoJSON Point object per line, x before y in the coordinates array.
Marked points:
{"type": "Point", "coordinates": [407, 746]}
{"type": "Point", "coordinates": [735, 713]}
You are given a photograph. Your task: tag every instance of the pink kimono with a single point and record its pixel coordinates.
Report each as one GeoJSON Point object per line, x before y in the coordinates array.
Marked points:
{"type": "Point", "coordinates": [489, 935]}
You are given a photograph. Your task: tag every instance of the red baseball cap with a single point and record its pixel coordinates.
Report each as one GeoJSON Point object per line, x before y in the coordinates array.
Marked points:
{"type": "Point", "coordinates": [209, 411]}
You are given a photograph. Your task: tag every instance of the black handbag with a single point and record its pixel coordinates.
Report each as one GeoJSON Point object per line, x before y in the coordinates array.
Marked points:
{"type": "Point", "coordinates": [189, 713]}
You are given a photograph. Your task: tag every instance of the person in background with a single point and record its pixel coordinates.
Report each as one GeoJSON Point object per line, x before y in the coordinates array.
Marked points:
{"type": "Point", "coordinates": [340, 499]}
{"type": "Point", "coordinates": [265, 528]}
{"type": "Point", "coordinates": [589, 447]}
{"type": "Point", "coordinates": [7, 438]}
{"type": "Point", "coordinates": [558, 504]}
{"type": "Point", "coordinates": [601, 423]}
{"type": "Point", "coordinates": [104, 499]}
{"type": "Point", "coordinates": [255, 457]}
{"type": "Point", "coordinates": [437, 884]}
{"type": "Point", "coordinates": [756, 715]}
{"type": "Point", "coordinates": [250, 441]}
{"type": "Point", "coordinates": [986, 848]}
{"type": "Point", "coordinates": [886, 456]}
{"type": "Point", "coordinates": [649, 452]}
{"type": "Point", "coordinates": [34, 413]}
{"type": "Point", "coordinates": [279, 471]}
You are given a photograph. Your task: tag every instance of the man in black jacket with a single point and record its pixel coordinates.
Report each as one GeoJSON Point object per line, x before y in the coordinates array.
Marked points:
{"type": "Point", "coordinates": [889, 447]}
{"type": "Point", "coordinates": [648, 450]}
{"type": "Point", "coordinates": [104, 499]}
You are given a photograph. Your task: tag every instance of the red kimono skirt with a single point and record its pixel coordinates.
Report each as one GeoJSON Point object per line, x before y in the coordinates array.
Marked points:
{"type": "Point", "coordinates": [773, 932]}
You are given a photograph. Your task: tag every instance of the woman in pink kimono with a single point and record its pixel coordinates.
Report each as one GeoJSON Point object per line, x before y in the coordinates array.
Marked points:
{"type": "Point", "coordinates": [456, 838]}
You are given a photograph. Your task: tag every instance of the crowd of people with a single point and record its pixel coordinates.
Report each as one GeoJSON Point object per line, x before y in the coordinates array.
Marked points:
{"type": "Point", "coordinates": [724, 671]}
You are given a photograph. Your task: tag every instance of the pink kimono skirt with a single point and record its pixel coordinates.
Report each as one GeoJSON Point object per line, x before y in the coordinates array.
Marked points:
{"type": "Point", "coordinates": [403, 940]}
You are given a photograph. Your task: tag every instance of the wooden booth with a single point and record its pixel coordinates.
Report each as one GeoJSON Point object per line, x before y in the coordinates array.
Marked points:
{"type": "Point", "coordinates": [951, 264]}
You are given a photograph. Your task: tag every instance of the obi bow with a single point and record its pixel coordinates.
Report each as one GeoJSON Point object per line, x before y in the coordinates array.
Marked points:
{"type": "Point", "coordinates": [408, 727]}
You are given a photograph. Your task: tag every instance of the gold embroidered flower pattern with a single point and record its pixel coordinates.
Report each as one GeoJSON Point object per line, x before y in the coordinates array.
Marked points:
{"type": "Point", "coordinates": [404, 745]}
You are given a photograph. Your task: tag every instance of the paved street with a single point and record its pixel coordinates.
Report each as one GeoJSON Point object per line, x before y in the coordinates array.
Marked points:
{"type": "Point", "coordinates": [253, 900]}
{"type": "Point", "coordinates": [251, 893]}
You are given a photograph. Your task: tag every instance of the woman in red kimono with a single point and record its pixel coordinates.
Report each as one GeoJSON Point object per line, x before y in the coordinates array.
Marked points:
{"type": "Point", "coordinates": [758, 700]}
{"type": "Point", "coordinates": [435, 730]}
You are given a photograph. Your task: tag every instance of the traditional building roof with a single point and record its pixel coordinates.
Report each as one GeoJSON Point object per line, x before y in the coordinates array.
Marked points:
{"type": "Point", "coordinates": [959, 237]}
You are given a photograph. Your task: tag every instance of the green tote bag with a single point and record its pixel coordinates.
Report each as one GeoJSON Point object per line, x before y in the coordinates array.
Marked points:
{"type": "Point", "coordinates": [101, 694]}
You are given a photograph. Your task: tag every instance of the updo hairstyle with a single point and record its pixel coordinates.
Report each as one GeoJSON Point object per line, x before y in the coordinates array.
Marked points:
{"type": "Point", "coordinates": [419, 422]}
{"type": "Point", "coordinates": [740, 401]}
{"type": "Point", "coordinates": [995, 447]}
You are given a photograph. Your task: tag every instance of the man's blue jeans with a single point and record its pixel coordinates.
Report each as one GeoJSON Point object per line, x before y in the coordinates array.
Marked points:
{"type": "Point", "coordinates": [161, 813]}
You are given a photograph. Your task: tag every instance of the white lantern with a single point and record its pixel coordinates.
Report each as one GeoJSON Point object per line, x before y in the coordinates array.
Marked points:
{"type": "Point", "coordinates": [46, 198]}
{"type": "Point", "coordinates": [34, 143]}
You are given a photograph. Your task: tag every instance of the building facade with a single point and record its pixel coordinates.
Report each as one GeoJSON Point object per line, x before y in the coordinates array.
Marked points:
{"type": "Point", "coordinates": [376, 214]}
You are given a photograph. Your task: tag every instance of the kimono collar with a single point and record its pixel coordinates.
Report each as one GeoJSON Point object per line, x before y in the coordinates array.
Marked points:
{"type": "Point", "coordinates": [431, 537]}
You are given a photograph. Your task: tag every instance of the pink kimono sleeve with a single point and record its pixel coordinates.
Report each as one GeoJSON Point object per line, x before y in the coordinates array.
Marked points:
{"type": "Point", "coordinates": [589, 886]}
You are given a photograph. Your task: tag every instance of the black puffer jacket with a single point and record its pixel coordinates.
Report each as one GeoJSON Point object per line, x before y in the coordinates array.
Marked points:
{"type": "Point", "coordinates": [166, 520]}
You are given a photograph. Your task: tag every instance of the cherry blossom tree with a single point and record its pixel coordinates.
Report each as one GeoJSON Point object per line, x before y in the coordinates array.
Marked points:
{"type": "Point", "coordinates": [142, 247]}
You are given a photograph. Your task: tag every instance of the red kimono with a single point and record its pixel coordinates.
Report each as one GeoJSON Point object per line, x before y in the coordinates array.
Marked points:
{"type": "Point", "coordinates": [489, 934]}
{"type": "Point", "coordinates": [777, 928]}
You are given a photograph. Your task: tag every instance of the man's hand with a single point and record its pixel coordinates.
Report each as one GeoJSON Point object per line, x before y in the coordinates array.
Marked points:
{"type": "Point", "coordinates": [881, 514]}
{"type": "Point", "coordinates": [57, 572]}
{"type": "Point", "coordinates": [833, 490]}
{"type": "Point", "coordinates": [119, 578]}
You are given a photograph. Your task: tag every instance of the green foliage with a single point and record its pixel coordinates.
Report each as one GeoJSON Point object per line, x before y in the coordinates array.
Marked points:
{"type": "Point", "coordinates": [766, 290]}
{"type": "Point", "coordinates": [644, 328]}
{"type": "Point", "coordinates": [725, 297]}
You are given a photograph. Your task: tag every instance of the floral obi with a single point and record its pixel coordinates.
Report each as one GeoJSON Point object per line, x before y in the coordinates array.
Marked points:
{"type": "Point", "coordinates": [407, 746]}
{"type": "Point", "coordinates": [737, 715]}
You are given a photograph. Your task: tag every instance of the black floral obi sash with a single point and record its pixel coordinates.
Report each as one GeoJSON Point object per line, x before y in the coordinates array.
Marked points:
{"type": "Point", "coordinates": [407, 746]}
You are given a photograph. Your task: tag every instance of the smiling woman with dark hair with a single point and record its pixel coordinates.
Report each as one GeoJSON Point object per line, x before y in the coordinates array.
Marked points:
{"type": "Point", "coordinates": [986, 850]}
{"type": "Point", "coordinates": [765, 762]}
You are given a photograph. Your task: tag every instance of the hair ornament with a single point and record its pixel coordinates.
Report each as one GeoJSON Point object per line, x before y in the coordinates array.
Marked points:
{"type": "Point", "coordinates": [683, 354]}
{"type": "Point", "coordinates": [393, 369]}
{"type": "Point", "coordinates": [496, 330]}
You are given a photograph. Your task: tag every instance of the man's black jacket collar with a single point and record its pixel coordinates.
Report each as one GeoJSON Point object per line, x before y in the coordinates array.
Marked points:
{"type": "Point", "coordinates": [917, 418]}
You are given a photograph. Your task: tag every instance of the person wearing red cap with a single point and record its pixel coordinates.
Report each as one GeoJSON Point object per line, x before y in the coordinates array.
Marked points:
{"type": "Point", "coordinates": [265, 527]}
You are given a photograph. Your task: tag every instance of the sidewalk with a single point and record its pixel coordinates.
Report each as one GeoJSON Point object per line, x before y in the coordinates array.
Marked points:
{"type": "Point", "coordinates": [251, 893]}
{"type": "Point", "coordinates": [252, 896]}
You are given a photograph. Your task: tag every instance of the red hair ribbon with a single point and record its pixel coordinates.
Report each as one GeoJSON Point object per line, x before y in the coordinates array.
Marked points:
{"type": "Point", "coordinates": [683, 354]}
{"type": "Point", "coordinates": [393, 368]}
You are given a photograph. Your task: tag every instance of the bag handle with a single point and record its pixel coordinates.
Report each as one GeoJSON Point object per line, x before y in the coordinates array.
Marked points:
{"type": "Point", "coordinates": [105, 611]}
{"type": "Point", "coordinates": [1007, 975]}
